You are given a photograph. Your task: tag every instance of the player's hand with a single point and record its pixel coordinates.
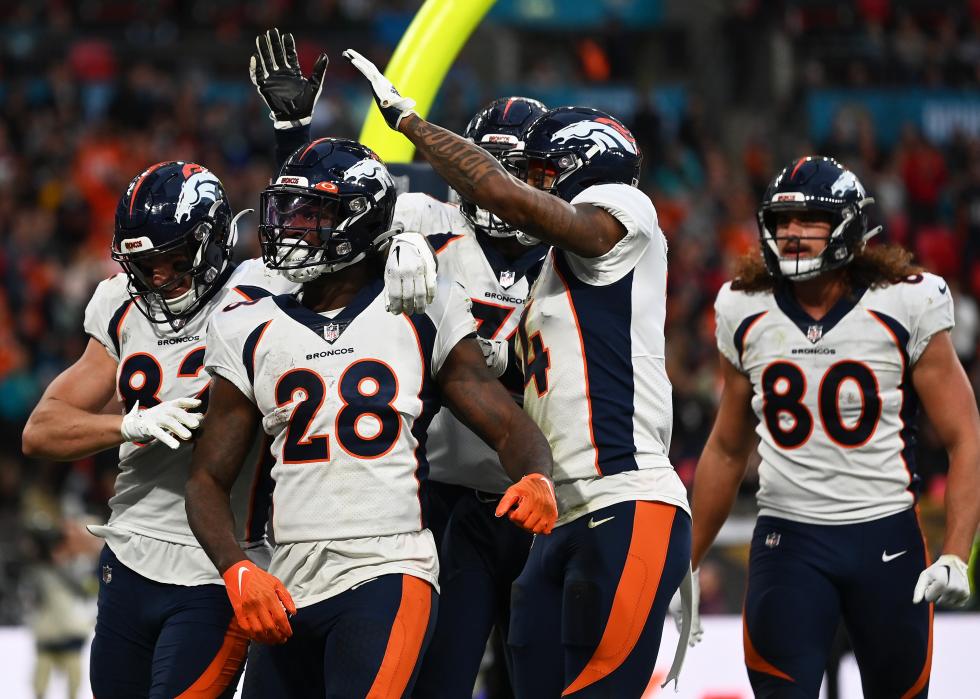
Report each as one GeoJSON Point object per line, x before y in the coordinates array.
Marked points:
{"type": "Point", "coordinates": [530, 504]}
{"type": "Point", "coordinates": [393, 106]}
{"type": "Point", "coordinates": [261, 602]}
{"type": "Point", "coordinates": [276, 74]}
{"type": "Point", "coordinates": [164, 422]}
{"type": "Point", "coordinates": [495, 354]}
{"type": "Point", "coordinates": [676, 609]}
{"type": "Point", "coordinates": [410, 274]}
{"type": "Point", "coordinates": [946, 581]}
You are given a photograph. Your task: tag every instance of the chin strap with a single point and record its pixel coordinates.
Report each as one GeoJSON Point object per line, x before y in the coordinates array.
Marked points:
{"type": "Point", "coordinates": [687, 598]}
{"type": "Point", "coordinates": [233, 227]}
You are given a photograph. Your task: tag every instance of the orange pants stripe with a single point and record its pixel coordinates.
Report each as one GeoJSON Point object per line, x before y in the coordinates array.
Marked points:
{"type": "Point", "coordinates": [223, 669]}
{"type": "Point", "coordinates": [635, 593]}
{"type": "Point", "coordinates": [405, 642]}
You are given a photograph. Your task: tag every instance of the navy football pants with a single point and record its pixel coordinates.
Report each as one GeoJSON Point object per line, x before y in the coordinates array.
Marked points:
{"type": "Point", "coordinates": [364, 642]}
{"type": "Point", "coordinates": [805, 578]}
{"type": "Point", "coordinates": [162, 641]}
{"type": "Point", "coordinates": [480, 556]}
{"type": "Point", "coordinates": [588, 610]}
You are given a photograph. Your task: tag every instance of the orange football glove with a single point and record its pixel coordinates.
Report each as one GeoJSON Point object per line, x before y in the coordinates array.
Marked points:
{"type": "Point", "coordinates": [260, 601]}
{"type": "Point", "coordinates": [530, 503]}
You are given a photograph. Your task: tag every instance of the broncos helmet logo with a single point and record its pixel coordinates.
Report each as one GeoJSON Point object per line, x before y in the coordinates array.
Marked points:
{"type": "Point", "coordinates": [847, 182]}
{"type": "Point", "coordinates": [372, 170]}
{"type": "Point", "coordinates": [199, 185]}
{"type": "Point", "coordinates": [604, 133]}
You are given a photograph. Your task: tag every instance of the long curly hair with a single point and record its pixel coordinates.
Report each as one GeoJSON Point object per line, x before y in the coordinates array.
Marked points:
{"type": "Point", "coordinates": [873, 268]}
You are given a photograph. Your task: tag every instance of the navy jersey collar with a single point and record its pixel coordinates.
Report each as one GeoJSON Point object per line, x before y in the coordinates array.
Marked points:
{"type": "Point", "coordinates": [500, 264]}
{"type": "Point", "coordinates": [335, 327]}
{"type": "Point", "coordinates": [805, 322]}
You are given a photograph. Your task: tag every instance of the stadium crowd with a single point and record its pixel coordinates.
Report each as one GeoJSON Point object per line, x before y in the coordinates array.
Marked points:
{"type": "Point", "coordinates": [91, 96]}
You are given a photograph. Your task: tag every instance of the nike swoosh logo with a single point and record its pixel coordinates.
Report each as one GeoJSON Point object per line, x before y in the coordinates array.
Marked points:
{"type": "Point", "coordinates": [241, 571]}
{"type": "Point", "coordinates": [593, 523]}
{"type": "Point", "coordinates": [885, 556]}
{"type": "Point", "coordinates": [942, 289]}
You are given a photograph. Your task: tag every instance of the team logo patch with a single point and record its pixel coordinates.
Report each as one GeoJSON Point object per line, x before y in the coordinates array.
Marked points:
{"type": "Point", "coordinates": [199, 185]}
{"type": "Point", "coordinates": [847, 182]}
{"type": "Point", "coordinates": [606, 134]}
{"type": "Point", "coordinates": [507, 278]}
{"type": "Point", "coordinates": [107, 574]}
{"type": "Point", "coordinates": [370, 169]}
{"type": "Point", "coordinates": [772, 540]}
{"type": "Point", "coordinates": [331, 331]}
{"type": "Point", "coordinates": [814, 333]}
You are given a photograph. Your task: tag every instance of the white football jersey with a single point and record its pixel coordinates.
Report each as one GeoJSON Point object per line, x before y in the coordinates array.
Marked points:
{"type": "Point", "coordinates": [591, 342]}
{"type": "Point", "coordinates": [834, 397]}
{"type": "Point", "coordinates": [347, 397]}
{"type": "Point", "coordinates": [155, 364]}
{"type": "Point", "coordinates": [497, 288]}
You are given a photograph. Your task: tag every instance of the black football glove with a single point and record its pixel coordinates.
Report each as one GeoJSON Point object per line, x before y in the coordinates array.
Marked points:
{"type": "Point", "coordinates": [275, 72]}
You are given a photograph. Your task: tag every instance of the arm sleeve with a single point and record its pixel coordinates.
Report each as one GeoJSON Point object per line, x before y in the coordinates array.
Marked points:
{"type": "Point", "coordinates": [930, 305]}
{"type": "Point", "coordinates": [725, 326]}
{"type": "Point", "coordinates": [288, 142]}
{"type": "Point", "coordinates": [99, 313]}
{"type": "Point", "coordinates": [635, 211]}
{"type": "Point", "coordinates": [450, 313]}
{"type": "Point", "coordinates": [221, 358]}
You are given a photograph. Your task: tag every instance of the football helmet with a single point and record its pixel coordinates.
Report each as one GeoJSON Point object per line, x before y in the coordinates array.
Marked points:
{"type": "Point", "coordinates": [498, 128]}
{"type": "Point", "coordinates": [815, 184]}
{"type": "Point", "coordinates": [571, 148]}
{"type": "Point", "coordinates": [171, 208]}
{"type": "Point", "coordinates": [331, 205]}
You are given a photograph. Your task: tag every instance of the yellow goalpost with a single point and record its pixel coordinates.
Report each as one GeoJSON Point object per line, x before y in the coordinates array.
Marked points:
{"type": "Point", "coordinates": [419, 65]}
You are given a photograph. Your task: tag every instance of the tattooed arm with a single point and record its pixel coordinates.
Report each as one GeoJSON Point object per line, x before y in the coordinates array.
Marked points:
{"type": "Point", "coordinates": [583, 229]}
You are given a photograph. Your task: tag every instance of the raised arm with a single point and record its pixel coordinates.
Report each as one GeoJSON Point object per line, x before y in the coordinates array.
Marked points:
{"type": "Point", "coordinates": [583, 229]}
{"type": "Point", "coordinates": [484, 405]}
{"type": "Point", "coordinates": [949, 402]}
{"type": "Point", "coordinates": [723, 462]}
{"type": "Point", "coordinates": [259, 599]}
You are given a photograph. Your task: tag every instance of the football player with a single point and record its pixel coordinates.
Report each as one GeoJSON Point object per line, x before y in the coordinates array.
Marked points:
{"type": "Point", "coordinates": [480, 554]}
{"type": "Point", "coordinates": [833, 346]}
{"type": "Point", "coordinates": [347, 391]}
{"type": "Point", "coordinates": [164, 625]}
{"type": "Point", "coordinates": [587, 610]}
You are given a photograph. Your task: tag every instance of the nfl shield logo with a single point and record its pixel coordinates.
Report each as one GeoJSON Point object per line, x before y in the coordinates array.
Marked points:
{"type": "Point", "coordinates": [506, 278]}
{"type": "Point", "coordinates": [814, 333]}
{"type": "Point", "coordinates": [331, 332]}
{"type": "Point", "coordinates": [772, 540]}
{"type": "Point", "coordinates": [107, 574]}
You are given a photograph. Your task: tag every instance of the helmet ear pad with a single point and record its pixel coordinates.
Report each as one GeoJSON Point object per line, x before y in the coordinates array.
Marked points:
{"type": "Point", "coordinates": [347, 198]}
{"type": "Point", "coordinates": [171, 206]}
{"type": "Point", "coordinates": [815, 184]}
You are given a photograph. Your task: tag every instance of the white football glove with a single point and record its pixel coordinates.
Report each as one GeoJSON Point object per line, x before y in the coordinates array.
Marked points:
{"type": "Point", "coordinates": [162, 422]}
{"type": "Point", "coordinates": [393, 106]}
{"type": "Point", "coordinates": [946, 581]}
{"type": "Point", "coordinates": [676, 609]}
{"type": "Point", "coordinates": [495, 354]}
{"type": "Point", "coordinates": [410, 274]}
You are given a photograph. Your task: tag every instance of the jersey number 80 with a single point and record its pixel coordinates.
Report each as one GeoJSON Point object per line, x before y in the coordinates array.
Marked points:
{"type": "Point", "coordinates": [783, 389]}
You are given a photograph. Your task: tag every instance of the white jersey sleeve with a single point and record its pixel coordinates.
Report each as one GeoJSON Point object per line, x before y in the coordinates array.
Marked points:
{"type": "Point", "coordinates": [725, 324]}
{"type": "Point", "coordinates": [930, 309]}
{"type": "Point", "coordinates": [635, 211]}
{"type": "Point", "coordinates": [102, 314]}
{"type": "Point", "coordinates": [220, 359]}
{"type": "Point", "coordinates": [451, 314]}
{"type": "Point", "coordinates": [419, 213]}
